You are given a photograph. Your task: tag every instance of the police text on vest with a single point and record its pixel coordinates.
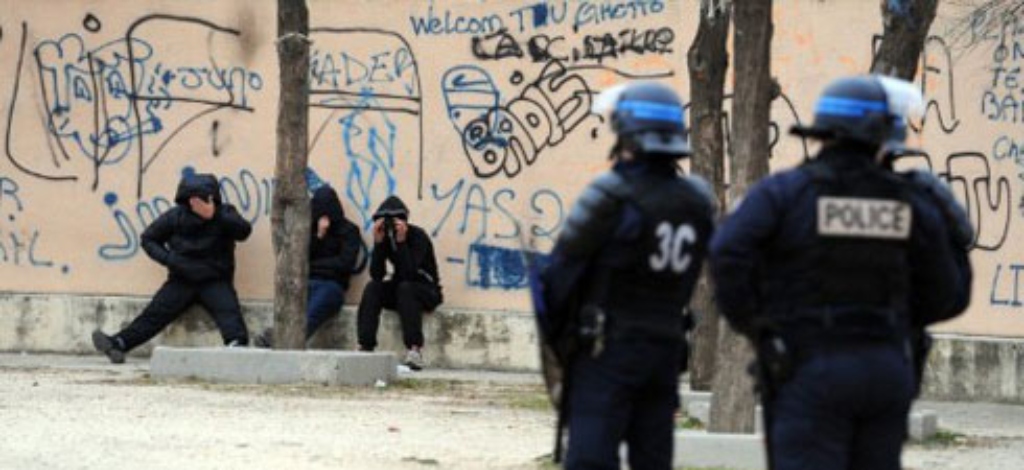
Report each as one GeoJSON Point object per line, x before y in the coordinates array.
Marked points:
{"type": "Point", "coordinates": [865, 218]}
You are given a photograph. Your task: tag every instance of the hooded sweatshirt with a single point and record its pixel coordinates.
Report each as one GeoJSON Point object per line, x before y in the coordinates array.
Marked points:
{"type": "Point", "coordinates": [334, 256]}
{"type": "Point", "coordinates": [193, 249]}
{"type": "Point", "coordinates": [413, 260]}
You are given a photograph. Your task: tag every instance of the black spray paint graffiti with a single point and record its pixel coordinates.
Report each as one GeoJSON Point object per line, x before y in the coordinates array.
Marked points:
{"type": "Point", "coordinates": [595, 48]}
{"type": "Point", "coordinates": [937, 84]}
{"type": "Point", "coordinates": [775, 131]}
{"type": "Point", "coordinates": [987, 198]}
{"type": "Point", "coordinates": [505, 138]}
{"type": "Point", "coordinates": [104, 103]}
{"type": "Point", "coordinates": [217, 142]}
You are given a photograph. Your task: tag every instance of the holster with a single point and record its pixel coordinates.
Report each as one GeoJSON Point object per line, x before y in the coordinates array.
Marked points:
{"type": "Point", "coordinates": [689, 323]}
{"type": "Point", "coordinates": [776, 363]}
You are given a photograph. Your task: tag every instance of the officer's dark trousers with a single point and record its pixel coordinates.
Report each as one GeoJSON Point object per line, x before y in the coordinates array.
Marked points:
{"type": "Point", "coordinates": [628, 393]}
{"type": "Point", "coordinates": [410, 299]}
{"type": "Point", "coordinates": [174, 297]}
{"type": "Point", "coordinates": [845, 409]}
{"type": "Point", "coordinates": [325, 299]}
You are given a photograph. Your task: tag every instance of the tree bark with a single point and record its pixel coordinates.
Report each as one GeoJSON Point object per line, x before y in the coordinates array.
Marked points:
{"type": "Point", "coordinates": [290, 216]}
{"type": "Point", "coordinates": [732, 405]}
{"type": "Point", "coordinates": [708, 60]}
{"type": "Point", "coordinates": [906, 26]}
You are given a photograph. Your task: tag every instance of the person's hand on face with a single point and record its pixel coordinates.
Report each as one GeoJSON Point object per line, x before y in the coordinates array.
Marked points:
{"type": "Point", "coordinates": [378, 231]}
{"type": "Point", "coordinates": [322, 225]}
{"type": "Point", "coordinates": [401, 230]}
{"type": "Point", "coordinates": [202, 207]}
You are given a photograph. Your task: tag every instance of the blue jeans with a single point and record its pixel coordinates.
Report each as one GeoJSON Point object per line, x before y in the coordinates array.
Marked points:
{"type": "Point", "coordinates": [845, 408]}
{"type": "Point", "coordinates": [628, 393]}
{"type": "Point", "coordinates": [325, 299]}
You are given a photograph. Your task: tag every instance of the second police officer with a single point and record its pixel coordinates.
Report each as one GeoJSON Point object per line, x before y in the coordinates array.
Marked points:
{"type": "Point", "coordinates": [830, 269]}
{"type": "Point", "coordinates": [640, 233]}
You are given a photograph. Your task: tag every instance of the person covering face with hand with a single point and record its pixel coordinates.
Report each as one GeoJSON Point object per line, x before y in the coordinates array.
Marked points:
{"type": "Point", "coordinates": [412, 287]}
{"type": "Point", "coordinates": [195, 240]}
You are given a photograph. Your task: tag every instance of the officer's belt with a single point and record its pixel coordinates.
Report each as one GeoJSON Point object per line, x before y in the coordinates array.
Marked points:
{"type": "Point", "coordinates": [839, 319]}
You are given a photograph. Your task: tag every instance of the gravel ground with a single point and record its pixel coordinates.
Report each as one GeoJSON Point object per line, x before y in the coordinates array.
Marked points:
{"type": "Point", "coordinates": [80, 414]}
{"type": "Point", "coordinates": [70, 412]}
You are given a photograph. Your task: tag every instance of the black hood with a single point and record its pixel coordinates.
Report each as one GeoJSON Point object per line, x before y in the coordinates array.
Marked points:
{"type": "Point", "coordinates": [197, 184]}
{"type": "Point", "coordinates": [392, 207]}
{"type": "Point", "coordinates": [325, 202]}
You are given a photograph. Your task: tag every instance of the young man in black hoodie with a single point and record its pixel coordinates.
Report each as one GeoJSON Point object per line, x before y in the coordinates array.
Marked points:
{"type": "Point", "coordinates": [334, 245]}
{"type": "Point", "coordinates": [195, 240]}
{"type": "Point", "coordinates": [333, 251]}
{"type": "Point", "coordinates": [414, 286]}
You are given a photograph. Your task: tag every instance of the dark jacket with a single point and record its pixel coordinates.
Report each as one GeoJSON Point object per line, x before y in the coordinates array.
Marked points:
{"type": "Point", "coordinates": [757, 246]}
{"type": "Point", "coordinates": [334, 256]}
{"type": "Point", "coordinates": [413, 260]}
{"type": "Point", "coordinates": [193, 249]}
{"type": "Point", "coordinates": [638, 235]}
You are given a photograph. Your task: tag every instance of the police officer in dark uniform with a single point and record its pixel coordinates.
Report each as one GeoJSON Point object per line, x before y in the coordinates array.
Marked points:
{"type": "Point", "coordinates": [640, 233]}
{"type": "Point", "coordinates": [829, 268]}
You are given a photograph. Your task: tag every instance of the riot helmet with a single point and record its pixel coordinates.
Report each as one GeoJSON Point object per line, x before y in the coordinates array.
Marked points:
{"type": "Point", "coordinates": [649, 116]}
{"type": "Point", "coordinates": [869, 109]}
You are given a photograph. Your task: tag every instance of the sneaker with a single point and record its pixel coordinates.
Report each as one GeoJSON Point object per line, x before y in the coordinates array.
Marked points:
{"type": "Point", "coordinates": [105, 344]}
{"type": "Point", "coordinates": [414, 359]}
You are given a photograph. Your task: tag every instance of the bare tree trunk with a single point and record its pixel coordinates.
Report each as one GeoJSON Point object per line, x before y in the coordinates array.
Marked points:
{"type": "Point", "coordinates": [906, 28]}
{"type": "Point", "coordinates": [290, 215]}
{"type": "Point", "coordinates": [732, 405]}
{"type": "Point", "coordinates": [708, 59]}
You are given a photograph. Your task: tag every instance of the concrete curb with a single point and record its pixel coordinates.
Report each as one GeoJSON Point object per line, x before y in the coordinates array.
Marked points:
{"type": "Point", "coordinates": [732, 451]}
{"type": "Point", "coordinates": [57, 323]}
{"type": "Point", "coordinates": [266, 366]}
{"type": "Point", "coordinates": [960, 368]}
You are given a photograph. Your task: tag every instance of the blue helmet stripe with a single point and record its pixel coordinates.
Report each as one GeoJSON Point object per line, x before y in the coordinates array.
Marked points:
{"type": "Point", "coordinates": [653, 111]}
{"type": "Point", "coordinates": [834, 106]}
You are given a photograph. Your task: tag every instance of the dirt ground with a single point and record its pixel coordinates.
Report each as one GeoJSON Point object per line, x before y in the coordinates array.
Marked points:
{"type": "Point", "coordinates": [65, 412]}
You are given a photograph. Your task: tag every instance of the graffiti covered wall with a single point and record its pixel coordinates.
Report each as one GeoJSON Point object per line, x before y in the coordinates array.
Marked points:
{"type": "Point", "coordinates": [476, 113]}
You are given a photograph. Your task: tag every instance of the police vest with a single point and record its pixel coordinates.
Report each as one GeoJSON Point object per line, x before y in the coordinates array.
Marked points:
{"type": "Point", "coordinates": [648, 270]}
{"type": "Point", "coordinates": [859, 273]}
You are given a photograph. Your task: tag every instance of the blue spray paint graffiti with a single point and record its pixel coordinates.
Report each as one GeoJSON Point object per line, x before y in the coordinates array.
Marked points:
{"type": "Point", "coordinates": [536, 16]}
{"type": "Point", "coordinates": [1006, 286]}
{"type": "Point", "coordinates": [497, 267]}
{"type": "Point", "coordinates": [130, 229]}
{"type": "Point", "coordinates": [490, 223]}
{"type": "Point", "coordinates": [19, 246]}
{"type": "Point", "coordinates": [101, 103]}
{"type": "Point", "coordinates": [251, 195]}
{"type": "Point", "coordinates": [369, 142]}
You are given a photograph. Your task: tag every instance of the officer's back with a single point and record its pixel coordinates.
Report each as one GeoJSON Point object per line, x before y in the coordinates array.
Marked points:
{"type": "Point", "coordinates": [828, 268]}
{"type": "Point", "coordinates": [635, 241]}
